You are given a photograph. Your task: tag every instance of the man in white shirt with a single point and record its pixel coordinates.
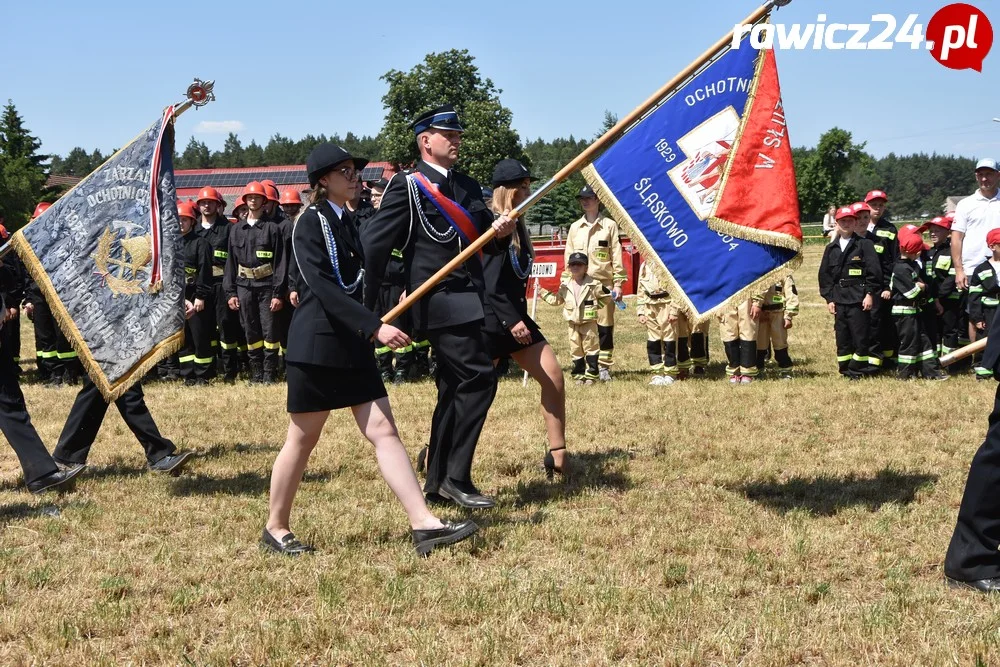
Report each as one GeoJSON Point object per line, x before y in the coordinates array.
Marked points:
{"type": "Point", "coordinates": [975, 216]}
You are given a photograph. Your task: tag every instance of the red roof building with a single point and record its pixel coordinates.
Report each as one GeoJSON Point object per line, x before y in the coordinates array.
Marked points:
{"type": "Point", "coordinates": [230, 182]}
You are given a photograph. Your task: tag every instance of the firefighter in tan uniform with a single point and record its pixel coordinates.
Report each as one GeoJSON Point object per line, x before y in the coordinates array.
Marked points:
{"type": "Point", "coordinates": [739, 338]}
{"type": "Point", "coordinates": [779, 305]}
{"type": "Point", "coordinates": [582, 298]}
{"type": "Point", "coordinates": [597, 236]}
{"type": "Point", "coordinates": [667, 329]}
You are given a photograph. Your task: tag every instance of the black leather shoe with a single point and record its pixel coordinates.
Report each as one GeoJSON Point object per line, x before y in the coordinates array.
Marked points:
{"type": "Point", "coordinates": [424, 541]}
{"type": "Point", "coordinates": [60, 480]}
{"type": "Point", "coordinates": [980, 585]}
{"type": "Point", "coordinates": [289, 545]}
{"type": "Point", "coordinates": [471, 499]}
{"type": "Point", "coordinates": [172, 463]}
{"type": "Point", "coordinates": [399, 378]}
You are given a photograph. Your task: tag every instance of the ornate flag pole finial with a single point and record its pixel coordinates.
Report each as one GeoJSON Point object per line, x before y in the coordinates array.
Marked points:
{"type": "Point", "coordinates": [198, 94]}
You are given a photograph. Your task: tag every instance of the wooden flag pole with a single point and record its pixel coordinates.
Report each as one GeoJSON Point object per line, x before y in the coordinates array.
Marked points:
{"type": "Point", "coordinates": [963, 352]}
{"type": "Point", "coordinates": [581, 160]}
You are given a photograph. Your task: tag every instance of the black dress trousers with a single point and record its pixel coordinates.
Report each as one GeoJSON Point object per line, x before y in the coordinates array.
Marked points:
{"type": "Point", "coordinates": [87, 414]}
{"type": "Point", "coordinates": [466, 384]}
{"type": "Point", "coordinates": [16, 424]}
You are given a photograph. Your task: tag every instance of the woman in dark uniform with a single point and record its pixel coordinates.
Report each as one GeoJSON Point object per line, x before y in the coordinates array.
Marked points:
{"type": "Point", "coordinates": [331, 362]}
{"type": "Point", "coordinates": [509, 328]}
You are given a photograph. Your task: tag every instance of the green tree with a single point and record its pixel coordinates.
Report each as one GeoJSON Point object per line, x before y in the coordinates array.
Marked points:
{"type": "Point", "coordinates": [253, 155]}
{"type": "Point", "coordinates": [23, 171]}
{"type": "Point", "coordinates": [823, 178]}
{"type": "Point", "coordinates": [231, 155]}
{"type": "Point", "coordinates": [195, 156]}
{"type": "Point", "coordinates": [610, 120]}
{"type": "Point", "coordinates": [78, 162]}
{"type": "Point", "coordinates": [449, 77]}
{"type": "Point", "coordinates": [279, 151]}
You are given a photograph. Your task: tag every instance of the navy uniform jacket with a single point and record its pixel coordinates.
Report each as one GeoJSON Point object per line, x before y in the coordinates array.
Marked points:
{"type": "Point", "coordinates": [218, 237]}
{"type": "Point", "coordinates": [984, 291]}
{"type": "Point", "coordinates": [253, 246]}
{"type": "Point", "coordinates": [457, 299]}
{"type": "Point", "coordinates": [847, 276]}
{"type": "Point", "coordinates": [505, 291]}
{"type": "Point", "coordinates": [197, 266]}
{"type": "Point", "coordinates": [883, 237]}
{"type": "Point", "coordinates": [330, 327]}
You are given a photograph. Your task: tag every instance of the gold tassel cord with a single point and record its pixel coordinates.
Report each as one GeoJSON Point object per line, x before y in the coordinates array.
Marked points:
{"type": "Point", "coordinates": [663, 273]}
{"type": "Point", "coordinates": [110, 391]}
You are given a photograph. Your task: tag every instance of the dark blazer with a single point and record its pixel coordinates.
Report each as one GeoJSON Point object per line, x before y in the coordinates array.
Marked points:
{"type": "Point", "coordinates": [504, 289]}
{"type": "Point", "coordinates": [330, 327]}
{"type": "Point", "coordinates": [457, 299]}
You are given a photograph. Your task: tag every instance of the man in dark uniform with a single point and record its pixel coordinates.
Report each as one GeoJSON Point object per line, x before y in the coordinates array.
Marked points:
{"type": "Point", "coordinates": [215, 228]}
{"type": "Point", "coordinates": [973, 558]}
{"type": "Point", "coordinates": [255, 283]}
{"type": "Point", "coordinates": [451, 314]}
{"type": "Point", "coordinates": [883, 234]}
{"type": "Point", "coordinates": [40, 471]}
{"type": "Point", "coordinates": [197, 357]}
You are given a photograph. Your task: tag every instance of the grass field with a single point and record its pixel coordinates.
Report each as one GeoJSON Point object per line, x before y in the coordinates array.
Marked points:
{"type": "Point", "coordinates": [800, 522]}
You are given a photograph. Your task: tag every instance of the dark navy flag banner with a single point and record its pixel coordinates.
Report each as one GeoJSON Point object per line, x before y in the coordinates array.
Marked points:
{"type": "Point", "coordinates": [662, 181]}
{"type": "Point", "coordinates": [109, 260]}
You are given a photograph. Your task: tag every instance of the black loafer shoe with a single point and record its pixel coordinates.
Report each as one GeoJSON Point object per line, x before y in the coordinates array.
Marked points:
{"type": "Point", "coordinates": [980, 585]}
{"type": "Point", "coordinates": [60, 480]}
{"type": "Point", "coordinates": [472, 500]}
{"type": "Point", "coordinates": [436, 499]}
{"type": "Point", "coordinates": [172, 463]}
{"type": "Point", "coordinates": [289, 545]}
{"type": "Point", "coordinates": [424, 541]}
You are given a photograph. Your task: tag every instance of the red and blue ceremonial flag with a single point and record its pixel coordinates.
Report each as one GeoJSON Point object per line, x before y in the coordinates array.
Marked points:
{"type": "Point", "coordinates": [705, 184]}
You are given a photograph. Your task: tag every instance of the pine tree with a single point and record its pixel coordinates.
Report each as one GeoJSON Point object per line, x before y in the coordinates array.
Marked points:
{"type": "Point", "coordinates": [23, 171]}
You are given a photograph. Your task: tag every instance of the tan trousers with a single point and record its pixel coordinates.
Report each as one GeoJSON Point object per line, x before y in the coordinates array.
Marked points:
{"type": "Point", "coordinates": [771, 330]}
{"type": "Point", "coordinates": [583, 339]}
{"type": "Point", "coordinates": [736, 324]}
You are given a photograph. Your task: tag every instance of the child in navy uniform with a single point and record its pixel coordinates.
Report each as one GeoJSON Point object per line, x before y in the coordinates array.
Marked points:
{"type": "Point", "coordinates": [849, 276]}
{"type": "Point", "coordinates": [917, 356]}
{"type": "Point", "coordinates": [984, 294]}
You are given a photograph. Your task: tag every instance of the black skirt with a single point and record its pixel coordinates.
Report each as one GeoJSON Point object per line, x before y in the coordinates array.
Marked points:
{"type": "Point", "coordinates": [501, 343]}
{"type": "Point", "coordinates": [314, 388]}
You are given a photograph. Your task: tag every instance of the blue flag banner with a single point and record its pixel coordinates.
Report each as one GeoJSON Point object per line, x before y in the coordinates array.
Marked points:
{"type": "Point", "coordinates": [663, 179]}
{"type": "Point", "coordinates": [109, 259]}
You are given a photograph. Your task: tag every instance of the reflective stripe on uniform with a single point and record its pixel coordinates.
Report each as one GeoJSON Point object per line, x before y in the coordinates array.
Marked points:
{"type": "Point", "coordinates": [46, 355]}
{"type": "Point", "coordinates": [220, 254]}
{"type": "Point", "coordinates": [264, 254]}
{"type": "Point", "coordinates": [255, 346]}
{"type": "Point", "coordinates": [204, 361]}
{"type": "Point", "coordinates": [67, 355]}
{"type": "Point", "coordinates": [845, 357]}
{"type": "Point", "coordinates": [271, 346]}
{"type": "Point", "coordinates": [186, 358]}
{"type": "Point", "coordinates": [228, 346]}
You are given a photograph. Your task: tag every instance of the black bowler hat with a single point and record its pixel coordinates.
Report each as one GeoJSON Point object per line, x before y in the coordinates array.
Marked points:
{"type": "Point", "coordinates": [510, 171]}
{"type": "Point", "coordinates": [380, 183]}
{"type": "Point", "coordinates": [577, 258]}
{"type": "Point", "coordinates": [441, 118]}
{"type": "Point", "coordinates": [586, 192]}
{"type": "Point", "coordinates": [325, 157]}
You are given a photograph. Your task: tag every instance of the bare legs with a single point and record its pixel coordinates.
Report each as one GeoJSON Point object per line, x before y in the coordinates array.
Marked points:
{"type": "Point", "coordinates": [541, 364]}
{"type": "Point", "coordinates": [376, 423]}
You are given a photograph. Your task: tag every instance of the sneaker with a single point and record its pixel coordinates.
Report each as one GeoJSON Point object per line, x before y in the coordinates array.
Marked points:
{"type": "Point", "coordinates": [605, 375]}
{"type": "Point", "coordinates": [667, 380]}
{"type": "Point", "coordinates": [734, 379]}
{"type": "Point", "coordinates": [939, 376]}
{"type": "Point", "coordinates": [580, 382]}
{"type": "Point", "coordinates": [588, 382]}
{"type": "Point", "coordinates": [699, 371]}
{"type": "Point", "coordinates": [784, 375]}
{"type": "Point", "coordinates": [657, 380]}
{"type": "Point", "coordinates": [744, 379]}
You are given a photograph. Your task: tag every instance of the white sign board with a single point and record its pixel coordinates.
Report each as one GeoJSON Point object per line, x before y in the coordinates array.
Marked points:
{"type": "Point", "coordinates": [543, 270]}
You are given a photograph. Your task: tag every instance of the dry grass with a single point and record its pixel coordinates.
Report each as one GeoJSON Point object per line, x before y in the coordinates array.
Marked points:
{"type": "Point", "coordinates": [781, 523]}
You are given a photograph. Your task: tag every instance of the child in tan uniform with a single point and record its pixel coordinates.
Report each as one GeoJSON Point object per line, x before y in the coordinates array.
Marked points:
{"type": "Point", "coordinates": [581, 297]}
{"type": "Point", "coordinates": [780, 305]}
{"type": "Point", "coordinates": [666, 329]}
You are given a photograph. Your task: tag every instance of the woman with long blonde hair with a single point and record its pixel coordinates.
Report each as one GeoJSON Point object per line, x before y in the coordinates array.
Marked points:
{"type": "Point", "coordinates": [510, 331]}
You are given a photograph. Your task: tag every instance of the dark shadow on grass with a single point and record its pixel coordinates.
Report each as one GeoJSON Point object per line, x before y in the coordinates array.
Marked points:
{"type": "Point", "coordinates": [588, 470]}
{"type": "Point", "coordinates": [219, 450]}
{"type": "Point", "coordinates": [244, 483]}
{"type": "Point", "coordinates": [827, 495]}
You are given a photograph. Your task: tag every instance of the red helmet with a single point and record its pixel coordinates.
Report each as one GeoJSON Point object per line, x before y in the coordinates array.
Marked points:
{"type": "Point", "coordinates": [290, 197]}
{"type": "Point", "coordinates": [268, 181]}
{"type": "Point", "coordinates": [186, 209]}
{"type": "Point", "coordinates": [41, 208]}
{"type": "Point", "coordinates": [253, 188]}
{"type": "Point", "coordinates": [272, 192]}
{"type": "Point", "coordinates": [208, 192]}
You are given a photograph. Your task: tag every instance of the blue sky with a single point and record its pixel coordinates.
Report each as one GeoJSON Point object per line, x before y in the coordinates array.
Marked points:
{"type": "Point", "coordinates": [94, 77]}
